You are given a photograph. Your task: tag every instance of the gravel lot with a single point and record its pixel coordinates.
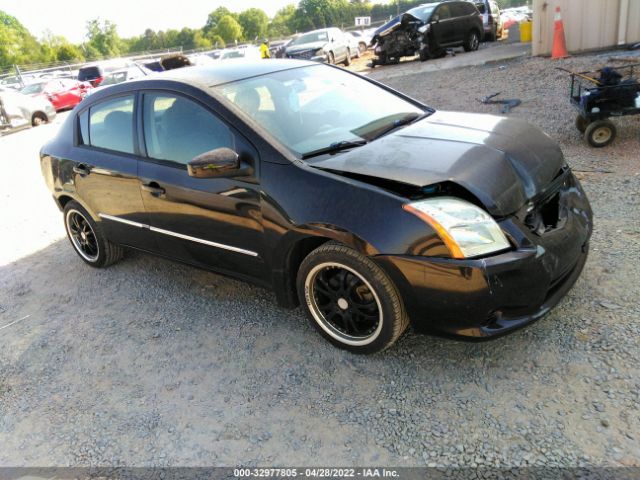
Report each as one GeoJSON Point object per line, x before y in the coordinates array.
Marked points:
{"type": "Point", "coordinates": [155, 363]}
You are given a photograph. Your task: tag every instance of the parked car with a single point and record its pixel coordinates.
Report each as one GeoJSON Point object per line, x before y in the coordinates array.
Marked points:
{"type": "Point", "coordinates": [427, 30]}
{"type": "Point", "coordinates": [94, 73]}
{"type": "Point", "coordinates": [120, 76]}
{"type": "Point", "coordinates": [354, 44]}
{"type": "Point", "coordinates": [369, 208]}
{"type": "Point", "coordinates": [11, 82]}
{"type": "Point", "coordinates": [363, 37]}
{"type": "Point", "coordinates": [244, 53]}
{"type": "Point", "coordinates": [278, 48]}
{"type": "Point", "coordinates": [328, 45]}
{"type": "Point", "coordinates": [62, 93]}
{"type": "Point", "coordinates": [491, 20]}
{"type": "Point", "coordinates": [19, 111]}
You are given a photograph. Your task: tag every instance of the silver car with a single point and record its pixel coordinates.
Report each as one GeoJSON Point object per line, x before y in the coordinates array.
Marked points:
{"type": "Point", "coordinates": [18, 111]}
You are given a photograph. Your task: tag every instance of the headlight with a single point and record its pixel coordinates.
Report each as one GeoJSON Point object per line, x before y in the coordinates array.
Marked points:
{"type": "Point", "coordinates": [465, 229]}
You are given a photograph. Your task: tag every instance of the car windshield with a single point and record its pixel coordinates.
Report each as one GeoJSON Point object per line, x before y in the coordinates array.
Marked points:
{"type": "Point", "coordinates": [232, 54]}
{"type": "Point", "coordinates": [33, 88]}
{"type": "Point", "coordinates": [423, 12]}
{"type": "Point", "coordinates": [312, 37]}
{"type": "Point", "coordinates": [312, 108]}
{"type": "Point", "coordinates": [114, 78]}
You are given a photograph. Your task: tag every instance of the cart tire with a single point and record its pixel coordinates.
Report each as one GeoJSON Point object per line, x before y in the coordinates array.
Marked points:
{"type": "Point", "coordinates": [600, 133]}
{"type": "Point", "coordinates": [582, 123]}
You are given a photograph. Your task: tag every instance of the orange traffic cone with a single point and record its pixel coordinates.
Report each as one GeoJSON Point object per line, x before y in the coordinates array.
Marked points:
{"type": "Point", "coordinates": [559, 49]}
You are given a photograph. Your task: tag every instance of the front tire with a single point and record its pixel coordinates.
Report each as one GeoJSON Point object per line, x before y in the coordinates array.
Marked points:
{"type": "Point", "coordinates": [350, 300]}
{"type": "Point", "coordinates": [87, 238]}
{"type": "Point", "coordinates": [472, 42]}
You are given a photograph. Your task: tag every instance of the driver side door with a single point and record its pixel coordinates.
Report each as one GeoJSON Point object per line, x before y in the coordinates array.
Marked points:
{"type": "Point", "coordinates": [210, 222]}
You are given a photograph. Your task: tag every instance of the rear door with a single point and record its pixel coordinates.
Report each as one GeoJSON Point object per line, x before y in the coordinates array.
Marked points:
{"type": "Point", "coordinates": [212, 222]}
{"type": "Point", "coordinates": [105, 170]}
{"type": "Point", "coordinates": [460, 20]}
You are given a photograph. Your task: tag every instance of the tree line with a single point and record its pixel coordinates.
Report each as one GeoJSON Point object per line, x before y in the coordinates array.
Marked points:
{"type": "Point", "coordinates": [222, 27]}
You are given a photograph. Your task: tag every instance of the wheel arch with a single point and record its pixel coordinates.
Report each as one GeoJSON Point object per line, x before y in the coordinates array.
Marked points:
{"type": "Point", "coordinates": [63, 199]}
{"type": "Point", "coordinates": [296, 246]}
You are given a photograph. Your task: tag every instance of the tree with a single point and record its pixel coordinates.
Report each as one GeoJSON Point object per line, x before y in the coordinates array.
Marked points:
{"type": "Point", "coordinates": [229, 29]}
{"type": "Point", "coordinates": [17, 45]}
{"type": "Point", "coordinates": [283, 22]}
{"type": "Point", "coordinates": [103, 38]}
{"type": "Point", "coordinates": [57, 49]}
{"type": "Point", "coordinates": [216, 41]}
{"type": "Point", "coordinates": [254, 23]}
{"type": "Point", "coordinates": [214, 18]}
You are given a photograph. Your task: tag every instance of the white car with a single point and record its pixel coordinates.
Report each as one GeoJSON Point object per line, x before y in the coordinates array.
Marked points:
{"type": "Point", "coordinates": [18, 111]}
{"type": "Point", "coordinates": [245, 53]}
{"type": "Point", "coordinates": [122, 75]}
{"type": "Point", "coordinates": [363, 38]}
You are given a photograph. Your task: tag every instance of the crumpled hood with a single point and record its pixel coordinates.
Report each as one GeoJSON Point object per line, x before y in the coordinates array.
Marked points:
{"type": "Point", "coordinates": [504, 162]}
{"type": "Point", "coordinates": [305, 46]}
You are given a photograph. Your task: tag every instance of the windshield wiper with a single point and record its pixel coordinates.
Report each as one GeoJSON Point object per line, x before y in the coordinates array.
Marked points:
{"type": "Point", "coordinates": [335, 147]}
{"type": "Point", "coordinates": [401, 122]}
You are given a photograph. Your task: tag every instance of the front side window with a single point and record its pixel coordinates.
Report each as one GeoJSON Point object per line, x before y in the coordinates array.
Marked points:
{"type": "Point", "coordinates": [311, 108]}
{"type": "Point", "coordinates": [444, 12]}
{"type": "Point", "coordinates": [177, 129]}
{"type": "Point", "coordinates": [111, 125]}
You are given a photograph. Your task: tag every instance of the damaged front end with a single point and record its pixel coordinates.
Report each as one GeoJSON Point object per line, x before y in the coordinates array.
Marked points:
{"type": "Point", "coordinates": [406, 35]}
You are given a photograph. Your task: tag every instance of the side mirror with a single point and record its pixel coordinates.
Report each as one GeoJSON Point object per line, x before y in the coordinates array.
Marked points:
{"type": "Point", "coordinates": [220, 162]}
{"type": "Point", "coordinates": [435, 18]}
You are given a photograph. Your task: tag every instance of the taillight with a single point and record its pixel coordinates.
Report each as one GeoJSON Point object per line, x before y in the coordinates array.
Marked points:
{"type": "Point", "coordinates": [98, 81]}
{"type": "Point", "coordinates": [490, 19]}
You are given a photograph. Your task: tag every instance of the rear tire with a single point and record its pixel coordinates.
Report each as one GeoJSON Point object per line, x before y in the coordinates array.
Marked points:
{"type": "Point", "coordinates": [350, 300]}
{"type": "Point", "coordinates": [472, 42]}
{"type": "Point", "coordinates": [347, 61]}
{"type": "Point", "coordinates": [582, 123]}
{"type": "Point", "coordinates": [87, 238]}
{"type": "Point", "coordinates": [38, 119]}
{"type": "Point", "coordinates": [600, 133]}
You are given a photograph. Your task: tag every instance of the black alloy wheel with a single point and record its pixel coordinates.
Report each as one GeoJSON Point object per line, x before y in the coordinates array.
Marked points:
{"type": "Point", "coordinates": [350, 300]}
{"type": "Point", "coordinates": [87, 238]}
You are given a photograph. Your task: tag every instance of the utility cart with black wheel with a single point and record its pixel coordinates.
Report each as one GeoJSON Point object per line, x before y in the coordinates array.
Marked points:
{"type": "Point", "coordinates": [601, 94]}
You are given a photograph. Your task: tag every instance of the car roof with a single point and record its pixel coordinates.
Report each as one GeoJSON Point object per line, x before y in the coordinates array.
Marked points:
{"type": "Point", "coordinates": [231, 71]}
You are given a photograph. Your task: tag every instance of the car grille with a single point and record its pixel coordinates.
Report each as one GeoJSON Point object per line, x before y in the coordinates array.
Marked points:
{"type": "Point", "coordinates": [544, 214]}
{"type": "Point", "coordinates": [306, 55]}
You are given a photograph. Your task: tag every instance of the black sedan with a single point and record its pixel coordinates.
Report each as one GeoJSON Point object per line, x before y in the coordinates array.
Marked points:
{"type": "Point", "coordinates": [369, 208]}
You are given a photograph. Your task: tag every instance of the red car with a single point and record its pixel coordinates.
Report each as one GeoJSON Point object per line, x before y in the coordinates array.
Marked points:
{"type": "Point", "coordinates": [61, 92]}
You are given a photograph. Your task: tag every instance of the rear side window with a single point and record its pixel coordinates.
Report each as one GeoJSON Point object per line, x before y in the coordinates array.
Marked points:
{"type": "Point", "coordinates": [88, 73]}
{"type": "Point", "coordinates": [177, 129]}
{"type": "Point", "coordinates": [109, 125]}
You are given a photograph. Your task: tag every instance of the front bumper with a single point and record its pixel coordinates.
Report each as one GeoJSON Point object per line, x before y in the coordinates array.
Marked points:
{"type": "Point", "coordinates": [315, 58]}
{"type": "Point", "coordinates": [489, 297]}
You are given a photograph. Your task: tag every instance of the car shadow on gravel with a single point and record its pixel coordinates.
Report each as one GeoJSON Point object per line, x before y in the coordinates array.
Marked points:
{"type": "Point", "coordinates": [153, 299]}
{"type": "Point", "coordinates": [150, 358]}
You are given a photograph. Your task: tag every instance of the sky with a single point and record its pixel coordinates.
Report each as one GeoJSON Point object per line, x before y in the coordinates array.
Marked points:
{"type": "Point", "coordinates": [68, 17]}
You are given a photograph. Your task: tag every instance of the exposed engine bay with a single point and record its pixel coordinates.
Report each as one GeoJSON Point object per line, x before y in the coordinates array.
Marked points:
{"type": "Point", "coordinates": [404, 36]}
